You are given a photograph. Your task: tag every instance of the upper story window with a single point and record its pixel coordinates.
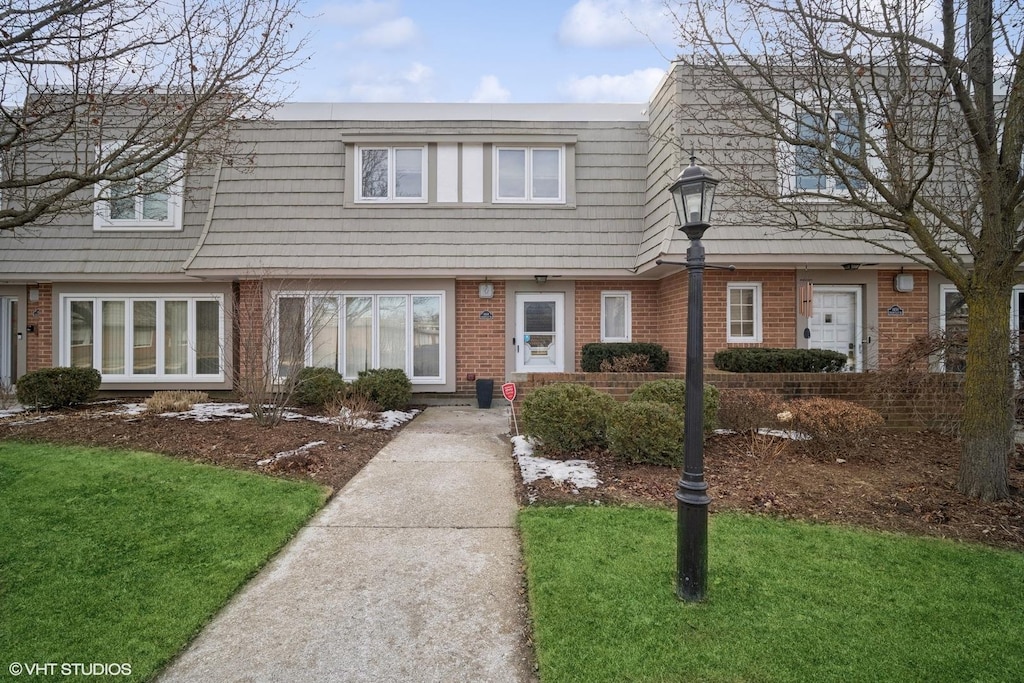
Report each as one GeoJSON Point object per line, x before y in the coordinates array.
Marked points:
{"type": "Point", "coordinates": [743, 312]}
{"type": "Point", "coordinates": [529, 174]}
{"type": "Point", "coordinates": [391, 174]}
{"type": "Point", "coordinates": [152, 201]}
{"type": "Point", "coordinates": [812, 164]}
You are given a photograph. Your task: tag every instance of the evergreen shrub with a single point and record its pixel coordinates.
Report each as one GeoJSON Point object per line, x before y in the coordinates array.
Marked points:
{"type": "Point", "coordinates": [566, 418]}
{"type": "Point", "coordinates": [779, 360]}
{"type": "Point", "coordinates": [594, 354]}
{"type": "Point", "coordinates": [58, 387]}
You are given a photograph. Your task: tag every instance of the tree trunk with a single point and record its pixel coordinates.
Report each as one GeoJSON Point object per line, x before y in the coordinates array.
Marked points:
{"type": "Point", "coordinates": [988, 396]}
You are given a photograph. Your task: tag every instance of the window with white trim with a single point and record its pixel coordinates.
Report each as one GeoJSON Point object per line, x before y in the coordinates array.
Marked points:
{"type": "Point", "coordinates": [616, 316]}
{"type": "Point", "coordinates": [529, 174]}
{"type": "Point", "coordinates": [953, 323]}
{"type": "Point", "coordinates": [391, 174]}
{"type": "Point", "coordinates": [743, 313]}
{"type": "Point", "coordinates": [152, 201]}
{"type": "Point", "coordinates": [352, 332]}
{"type": "Point", "coordinates": [148, 338]}
{"type": "Point", "coordinates": [812, 167]}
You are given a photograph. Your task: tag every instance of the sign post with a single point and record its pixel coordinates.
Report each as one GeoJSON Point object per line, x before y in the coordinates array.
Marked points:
{"type": "Point", "coordinates": [508, 390]}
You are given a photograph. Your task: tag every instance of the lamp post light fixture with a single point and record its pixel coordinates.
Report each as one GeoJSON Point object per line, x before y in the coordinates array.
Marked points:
{"type": "Point", "coordinates": [693, 194]}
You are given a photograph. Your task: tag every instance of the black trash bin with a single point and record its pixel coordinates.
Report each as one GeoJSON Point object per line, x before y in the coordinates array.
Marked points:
{"type": "Point", "coordinates": [484, 393]}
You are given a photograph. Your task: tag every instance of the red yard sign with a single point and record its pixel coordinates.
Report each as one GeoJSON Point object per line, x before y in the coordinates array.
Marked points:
{"type": "Point", "coordinates": [508, 390]}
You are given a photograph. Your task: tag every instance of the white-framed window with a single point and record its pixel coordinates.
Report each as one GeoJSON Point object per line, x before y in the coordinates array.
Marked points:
{"type": "Point", "coordinates": [809, 169]}
{"type": "Point", "coordinates": [529, 174]}
{"type": "Point", "coordinates": [357, 331]}
{"type": "Point", "coordinates": [616, 316]}
{"type": "Point", "coordinates": [144, 337]}
{"type": "Point", "coordinates": [391, 174]}
{"type": "Point", "coordinates": [953, 323]}
{"type": "Point", "coordinates": [152, 201]}
{"type": "Point", "coordinates": [743, 313]}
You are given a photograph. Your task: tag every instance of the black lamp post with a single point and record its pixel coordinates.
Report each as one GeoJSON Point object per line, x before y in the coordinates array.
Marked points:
{"type": "Point", "coordinates": [693, 194]}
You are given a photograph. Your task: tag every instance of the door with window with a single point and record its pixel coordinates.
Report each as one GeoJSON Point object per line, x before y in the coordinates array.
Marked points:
{"type": "Point", "coordinates": [540, 332]}
{"type": "Point", "coordinates": [837, 323]}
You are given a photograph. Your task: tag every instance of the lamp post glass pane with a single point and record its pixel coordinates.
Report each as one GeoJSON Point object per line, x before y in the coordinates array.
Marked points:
{"type": "Point", "coordinates": [709, 198]}
{"type": "Point", "coordinates": [691, 199]}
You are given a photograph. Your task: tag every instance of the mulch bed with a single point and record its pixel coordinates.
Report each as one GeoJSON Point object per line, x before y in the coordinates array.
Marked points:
{"type": "Point", "coordinates": [236, 443]}
{"type": "Point", "coordinates": [904, 481]}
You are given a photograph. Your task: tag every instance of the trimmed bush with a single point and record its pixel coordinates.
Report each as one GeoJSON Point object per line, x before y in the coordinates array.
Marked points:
{"type": "Point", "coordinates": [833, 425]}
{"type": "Point", "coordinates": [779, 360]}
{"type": "Point", "coordinates": [58, 387]}
{"type": "Point", "coordinates": [389, 388]}
{"type": "Point", "coordinates": [634, 362]}
{"type": "Point", "coordinates": [646, 432]}
{"type": "Point", "coordinates": [316, 388]}
{"type": "Point", "coordinates": [174, 401]}
{"type": "Point", "coordinates": [672, 392]}
{"type": "Point", "coordinates": [594, 354]}
{"type": "Point", "coordinates": [746, 410]}
{"type": "Point", "coordinates": [566, 418]}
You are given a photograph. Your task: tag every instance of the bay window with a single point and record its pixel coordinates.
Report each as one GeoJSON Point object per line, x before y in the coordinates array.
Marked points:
{"type": "Point", "coordinates": [361, 331]}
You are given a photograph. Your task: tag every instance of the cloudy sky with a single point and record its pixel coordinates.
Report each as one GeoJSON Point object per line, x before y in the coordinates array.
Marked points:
{"type": "Point", "coordinates": [484, 51]}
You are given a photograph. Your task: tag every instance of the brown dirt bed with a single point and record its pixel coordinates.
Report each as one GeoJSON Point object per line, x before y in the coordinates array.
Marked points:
{"type": "Point", "coordinates": [903, 481]}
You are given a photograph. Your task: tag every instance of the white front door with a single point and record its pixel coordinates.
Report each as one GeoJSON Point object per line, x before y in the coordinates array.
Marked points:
{"type": "Point", "coordinates": [836, 324]}
{"type": "Point", "coordinates": [540, 332]}
{"type": "Point", "coordinates": [8, 340]}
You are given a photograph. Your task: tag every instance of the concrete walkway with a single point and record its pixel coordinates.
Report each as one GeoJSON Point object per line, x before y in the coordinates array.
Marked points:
{"type": "Point", "coordinates": [410, 573]}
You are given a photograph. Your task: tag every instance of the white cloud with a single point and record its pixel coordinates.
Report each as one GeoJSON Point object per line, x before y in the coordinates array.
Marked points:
{"type": "Point", "coordinates": [390, 34]}
{"type": "Point", "coordinates": [634, 87]}
{"type": "Point", "coordinates": [490, 89]}
{"type": "Point", "coordinates": [372, 84]}
{"type": "Point", "coordinates": [616, 23]}
{"type": "Point", "coordinates": [359, 13]}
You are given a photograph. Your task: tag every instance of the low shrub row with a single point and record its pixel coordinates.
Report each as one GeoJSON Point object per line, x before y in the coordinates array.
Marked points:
{"type": "Point", "coordinates": [779, 360]}
{"type": "Point", "coordinates": [322, 388]}
{"type": "Point", "coordinates": [569, 418]}
{"type": "Point", "coordinates": [623, 357]}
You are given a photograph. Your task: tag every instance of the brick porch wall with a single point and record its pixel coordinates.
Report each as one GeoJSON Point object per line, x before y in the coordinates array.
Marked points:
{"type": "Point", "coordinates": [39, 344]}
{"type": "Point", "coordinates": [855, 387]}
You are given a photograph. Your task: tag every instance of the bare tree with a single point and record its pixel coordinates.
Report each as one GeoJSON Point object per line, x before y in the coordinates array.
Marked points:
{"type": "Point", "coordinates": [279, 327]}
{"type": "Point", "coordinates": [129, 94]}
{"type": "Point", "coordinates": [903, 124]}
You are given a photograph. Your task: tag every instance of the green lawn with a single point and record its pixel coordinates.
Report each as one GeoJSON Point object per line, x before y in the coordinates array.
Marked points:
{"type": "Point", "coordinates": [787, 601]}
{"type": "Point", "coordinates": [109, 556]}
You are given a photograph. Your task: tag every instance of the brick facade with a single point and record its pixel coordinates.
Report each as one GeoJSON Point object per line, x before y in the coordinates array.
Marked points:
{"type": "Point", "coordinates": [250, 331]}
{"type": "Point", "coordinates": [39, 344]}
{"type": "Point", "coordinates": [897, 331]}
{"type": "Point", "coordinates": [644, 311]}
{"type": "Point", "coordinates": [479, 341]}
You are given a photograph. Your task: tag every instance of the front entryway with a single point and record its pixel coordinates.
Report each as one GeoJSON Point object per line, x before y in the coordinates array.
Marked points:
{"type": "Point", "coordinates": [8, 340]}
{"type": "Point", "coordinates": [540, 332]}
{"type": "Point", "coordinates": [837, 323]}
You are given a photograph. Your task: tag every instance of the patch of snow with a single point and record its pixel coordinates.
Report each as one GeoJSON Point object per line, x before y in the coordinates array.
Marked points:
{"type": "Point", "coordinates": [580, 473]}
{"type": "Point", "coordinates": [287, 454]}
{"type": "Point", "coordinates": [390, 419]}
{"type": "Point", "coordinates": [14, 410]}
{"type": "Point", "coordinates": [724, 432]}
{"type": "Point", "coordinates": [130, 409]}
{"type": "Point", "coordinates": [207, 412]}
{"type": "Point", "coordinates": [784, 434]}
{"type": "Point", "coordinates": [34, 420]}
